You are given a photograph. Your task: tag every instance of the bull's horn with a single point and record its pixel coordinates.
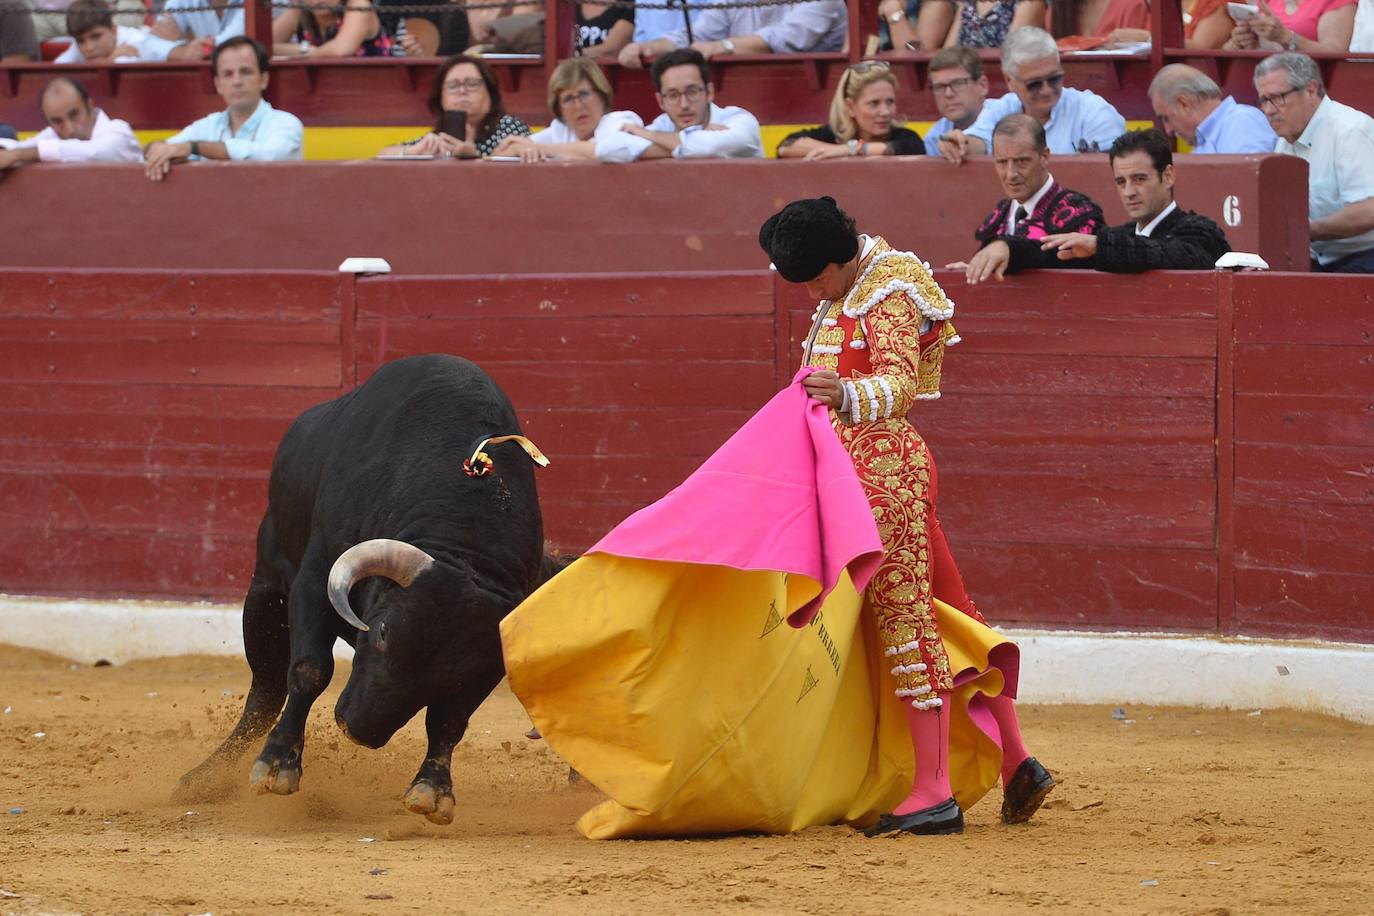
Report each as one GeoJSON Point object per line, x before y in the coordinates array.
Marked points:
{"type": "Point", "coordinates": [397, 560]}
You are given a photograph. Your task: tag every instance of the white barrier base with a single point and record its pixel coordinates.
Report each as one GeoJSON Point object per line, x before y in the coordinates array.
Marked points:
{"type": "Point", "coordinates": [1056, 666]}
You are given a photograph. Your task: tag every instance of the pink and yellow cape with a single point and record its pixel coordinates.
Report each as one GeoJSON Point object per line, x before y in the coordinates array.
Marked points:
{"type": "Point", "coordinates": [661, 667]}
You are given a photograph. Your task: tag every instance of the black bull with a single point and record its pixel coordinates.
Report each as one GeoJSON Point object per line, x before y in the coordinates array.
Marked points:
{"type": "Point", "coordinates": [459, 552]}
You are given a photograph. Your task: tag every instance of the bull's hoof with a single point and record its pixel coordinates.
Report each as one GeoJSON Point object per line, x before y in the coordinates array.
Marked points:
{"type": "Point", "coordinates": [424, 798]}
{"type": "Point", "coordinates": [267, 777]}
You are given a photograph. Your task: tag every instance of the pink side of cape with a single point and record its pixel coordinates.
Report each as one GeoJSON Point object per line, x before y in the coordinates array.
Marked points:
{"type": "Point", "coordinates": [781, 494]}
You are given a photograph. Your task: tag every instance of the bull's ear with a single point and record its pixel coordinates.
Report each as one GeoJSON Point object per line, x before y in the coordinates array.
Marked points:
{"type": "Point", "coordinates": [396, 560]}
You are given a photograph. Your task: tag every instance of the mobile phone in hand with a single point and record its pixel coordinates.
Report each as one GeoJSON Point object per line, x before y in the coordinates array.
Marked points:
{"type": "Point", "coordinates": [455, 124]}
{"type": "Point", "coordinates": [1242, 11]}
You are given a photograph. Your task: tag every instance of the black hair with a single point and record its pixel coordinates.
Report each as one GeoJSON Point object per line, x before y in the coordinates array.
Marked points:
{"type": "Point", "coordinates": [1151, 140]}
{"type": "Point", "coordinates": [238, 41]}
{"type": "Point", "coordinates": [679, 58]}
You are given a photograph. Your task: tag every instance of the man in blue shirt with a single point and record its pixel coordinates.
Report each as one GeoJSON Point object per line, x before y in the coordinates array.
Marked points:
{"type": "Point", "coordinates": [956, 79]}
{"type": "Point", "coordinates": [1075, 120]}
{"type": "Point", "coordinates": [249, 128]}
{"type": "Point", "coordinates": [1190, 105]}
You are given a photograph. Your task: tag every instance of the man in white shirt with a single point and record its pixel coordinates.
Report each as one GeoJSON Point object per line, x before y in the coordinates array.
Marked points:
{"type": "Point", "coordinates": [1075, 120]}
{"type": "Point", "coordinates": [201, 25]}
{"type": "Point", "coordinates": [249, 128]}
{"type": "Point", "coordinates": [1035, 206]}
{"type": "Point", "coordinates": [692, 126]}
{"type": "Point", "coordinates": [806, 25]}
{"type": "Point", "coordinates": [1338, 143]}
{"type": "Point", "coordinates": [1362, 38]}
{"type": "Point", "coordinates": [96, 38]}
{"type": "Point", "coordinates": [77, 131]}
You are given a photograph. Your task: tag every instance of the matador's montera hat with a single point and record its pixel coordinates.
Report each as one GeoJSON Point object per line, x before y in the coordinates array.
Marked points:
{"type": "Point", "coordinates": [806, 236]}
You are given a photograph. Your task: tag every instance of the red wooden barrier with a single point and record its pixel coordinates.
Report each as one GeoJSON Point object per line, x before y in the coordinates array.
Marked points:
{"type": "Point", "coordinates": [138, 415]}
{"type": "Point", "coordinates": [1178, 451]}
{"type": "Point", "coordinates": [627, 381]}
{"type": "Point", "coordinates": [506, 218]}
{"type": "Point", "coordinates": [1304, 455]}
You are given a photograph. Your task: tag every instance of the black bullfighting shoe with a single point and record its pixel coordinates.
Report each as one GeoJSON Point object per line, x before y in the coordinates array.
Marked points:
{"type": "Point", "coordinates": [946, 817]}
{"type": "Point", "coordinates": [1025, 793]}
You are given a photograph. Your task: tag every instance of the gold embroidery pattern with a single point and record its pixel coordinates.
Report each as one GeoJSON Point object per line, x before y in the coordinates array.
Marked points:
{"type": "Point", "coordinates": [894, 466]}
{"type": "Point", "coordinates": [894, 295]}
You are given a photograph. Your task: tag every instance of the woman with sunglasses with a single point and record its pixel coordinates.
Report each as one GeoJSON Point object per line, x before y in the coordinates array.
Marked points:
{"type": "Point", "coordinates": [464, 84]}
{"type": "Point", "coordinates": [580, 99]}
{"type": "Point", "coordinates": [862, 116]}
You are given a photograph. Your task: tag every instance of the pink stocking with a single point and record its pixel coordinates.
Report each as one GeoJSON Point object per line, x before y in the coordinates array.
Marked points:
{"type": "Point", "coordinates": [930, 741]}
{"type": "Point", "coordinates": [1014, 751]}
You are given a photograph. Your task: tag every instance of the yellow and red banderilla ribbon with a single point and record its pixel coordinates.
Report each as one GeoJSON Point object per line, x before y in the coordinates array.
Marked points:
{"type": "Point", "coordinates": [479, 463]}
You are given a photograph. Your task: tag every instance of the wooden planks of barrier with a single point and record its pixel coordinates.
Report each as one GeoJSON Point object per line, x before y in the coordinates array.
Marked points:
{"type": "Point", "coordinates": [1181, 451]}
{"type": "Point", "coordinates": [138, 416]}
{"type": "Point", "coordinates": [490, 218]}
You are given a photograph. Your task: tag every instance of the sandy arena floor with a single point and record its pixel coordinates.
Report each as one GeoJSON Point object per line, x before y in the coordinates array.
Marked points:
{"type": "Point", "coordinates": [1171, 811]}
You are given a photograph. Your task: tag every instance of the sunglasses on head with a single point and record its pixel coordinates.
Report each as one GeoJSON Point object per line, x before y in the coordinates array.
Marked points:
{"type": "Point", "coordinates": [1054, 81]}
{"type": "Point", "coordinates": [864, 66]}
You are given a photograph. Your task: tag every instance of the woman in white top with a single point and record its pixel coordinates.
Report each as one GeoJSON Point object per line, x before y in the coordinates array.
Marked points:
{"type": "Point", "coordinates": [580, 99]}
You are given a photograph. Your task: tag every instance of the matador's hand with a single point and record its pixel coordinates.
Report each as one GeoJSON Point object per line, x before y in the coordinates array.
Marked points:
{"type": "Point", "coordinates": [824, 386]}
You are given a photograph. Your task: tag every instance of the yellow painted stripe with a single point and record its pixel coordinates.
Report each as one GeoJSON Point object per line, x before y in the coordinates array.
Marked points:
{"type": "Point", "coordinates": [334, 143]}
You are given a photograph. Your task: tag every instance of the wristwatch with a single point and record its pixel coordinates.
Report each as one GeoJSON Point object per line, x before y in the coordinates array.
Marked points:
{"type": "Point", "coordinates": [896, 16]}
{"type": "Point", "coordinates": [195, 147]}
{"type": "Point", "coordinates": [727, 46]}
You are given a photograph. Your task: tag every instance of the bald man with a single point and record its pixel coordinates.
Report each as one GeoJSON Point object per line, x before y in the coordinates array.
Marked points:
{"type": "Point", "coordinates": [1190, 105]}
{"type": "Point", "coordinates": [77, 131]}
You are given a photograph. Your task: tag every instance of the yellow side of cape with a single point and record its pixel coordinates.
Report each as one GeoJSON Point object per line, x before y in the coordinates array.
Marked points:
{"type": "Point", "coordinates": [680, 691]}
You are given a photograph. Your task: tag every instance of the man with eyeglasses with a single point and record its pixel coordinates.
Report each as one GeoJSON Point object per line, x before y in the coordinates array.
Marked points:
{"type": "Point", "coordinates": [692, 125]}
{"type": "Point", "coordinates": [789, 28]}
{"type": "Point", "coordinates": [1075, 120]}
{"type": "Point", "coordinates": [956, 79]}
{"type": "Point", "coordinates": [1338, 143]}
{"type": "Point", "coordinates": [1035, 206]}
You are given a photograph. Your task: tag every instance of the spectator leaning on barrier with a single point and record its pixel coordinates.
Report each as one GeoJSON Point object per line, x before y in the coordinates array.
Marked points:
{"type": "Point", "coordinates": [692, 125]}
{"type": "Point", "coordinates": [1306, 25]}
{"type": "Point", "coordinates": [96, 38]}
{"type": "Point", "coordinates": [655, 23]}
{"type": "Point", "coordinates": [1207, 24]}
{"type": "Point", "coordinates": [465, 84]}
{"type": "Point", "coordinates": [1114, 21]}
{"type": "Point", "coordinates": [1160, 236]}
{"type": "Point", "coordinates": [17, 39]}
{"type": "Point", "coordinates": [1190, 105]}
{"type": "Point", "coordinates": [861, 120]}
{"type": "Point", "coordinates": [1338, 143]}
{"type": "Point", "coordinates": [1035, 205]}
{"type": "Point", "coordinates": [249, 128]}
{"type": "Point", "coordinates": [198, 26]}
{"type": "Point", "coordinates": [956, 79]}
{"type": "Point", "coordinates": [321, 31]}
{"type": "Point", "coordinates": [580, 99]}
{"type": "Point", "coordinates": [985, 23]}
{"type": "Point", "coordinates": [603, 28]}
{"type": "Point", "coordinates": [77, 131]}
{"type": "Point", "coordinates": [1075, 120]}
{"type": "Point", "coordinates": [815, 25]}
